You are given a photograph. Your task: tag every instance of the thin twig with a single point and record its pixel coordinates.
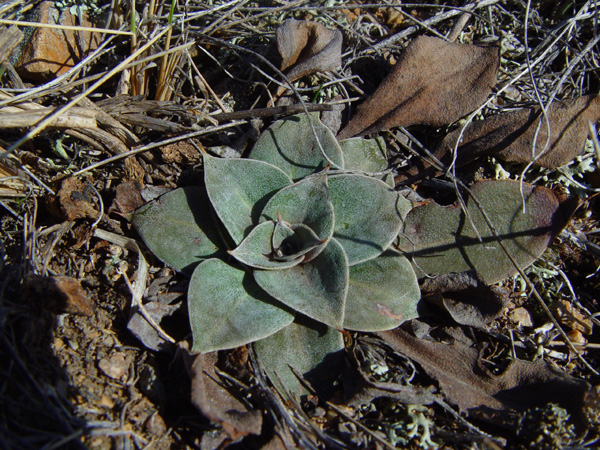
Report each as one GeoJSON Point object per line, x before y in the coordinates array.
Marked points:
{"type": "Point", "coordinates": [147, 147]}
{"type": "Point", "coordinates": [431, 21]}
{"type": "Point", "coordinates": [63, 27]}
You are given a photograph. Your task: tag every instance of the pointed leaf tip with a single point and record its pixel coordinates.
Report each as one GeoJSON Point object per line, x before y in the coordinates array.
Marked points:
{"type": "Point", "coordinates": [433, 83]}
{"type": "Point", "coordinates": [317, 288]}
{"type": "Point", "coordinates": [312, 349]}
{"type": "Point", "coordinates": [239, 188]}
{"type": "Point", "coordinates": [227, 309]}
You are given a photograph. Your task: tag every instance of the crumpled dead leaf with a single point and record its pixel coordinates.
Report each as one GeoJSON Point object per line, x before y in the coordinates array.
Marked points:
{"type": "Point", "coordinates": [146, 333]}
{"type": "Point", "coordinates": [307, 47]}
{"type": "Point", "coordinates": [74, 200]}
{"type": "Point", "coordinates": [433, 83]}
{"type": "Point", "coordinates": [359, 385]}
{"type": "Point", "coordinates": [59, 294]}
{"type": "Point", "coordinates": [510, 136]}
{"type": "Point", "coordinates": [466, 298]}
{"type": "Point", "coordinates": [465, 381]}
{"type": "Point", "coordinates": [217, 404]}
{"type": "Point", "coordinates": [128, 197]}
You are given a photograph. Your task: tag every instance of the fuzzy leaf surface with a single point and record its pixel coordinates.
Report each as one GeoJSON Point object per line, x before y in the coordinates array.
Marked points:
{"type": "Point", "coordinates": [256, 250]}
{"type": "Point", "coordinates": [317, 288]}
{"type": "Point", "coordinates": [177, 227]}
{"type": "Point", "coordinates": [279, 145]}
{"type": "Point", "coordinates": [239, 189]}
{"type": "Point", "coordinates": [312, 349]}
{"type": "Point", "coordinates": [305, 202]}
{"type": "Point", "coordinates": [440, 239]}
{"type": "Point", "coordinates": [382, 293]}
{"type": "Point", "coordinates": [227, 309]}
{"type": "Point", "coordinates": [365, 155]}
{"type": "Point", "coordinates": [366, 217]}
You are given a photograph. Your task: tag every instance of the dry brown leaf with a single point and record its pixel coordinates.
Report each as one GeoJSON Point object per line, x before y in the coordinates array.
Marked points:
{"type": "Point", "coordinates": [217, 404]}
{"type": "Point", "coordinates": [434, 83]}
{"type": "Point", "coordinates": [307, 47]}
{"type": "Point", "coordinates": [144, 331]}
{"type": "Point", "coordinates": [74, 200]}
{"type": "Point", "coordinates": [510, 136]}
{"type": "Point", "coordinates": [59, 294]}
{"type": "Point", "coordinates": [360, 387]}
{"type": "Point", "coordinates": [466, 298]}
{"type": "Point", "coordinates": [569, 315]}
{"type": "Point", "coordinates": [128, 197]}
{"type": "Point", "coordinates": [464, 380]}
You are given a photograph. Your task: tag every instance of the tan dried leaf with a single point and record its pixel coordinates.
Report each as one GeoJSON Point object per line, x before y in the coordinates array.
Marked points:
{"type": "Point", "coordinates": [307, 47]}
{"type": "Point", "coordinates": [510, 136]}
{"type": "Point", "coordinates": [75, 200]}
{"type": "Point", "coordinates": [217, 404]}
{"type": "Point", "coordinates": [59, 294]}
{"type": "Point", "coordinates": [466, 382]}
{"type": "Point", "coordinates": [434, 83]}
{"type": "Point", "coordinates": [568, 314]}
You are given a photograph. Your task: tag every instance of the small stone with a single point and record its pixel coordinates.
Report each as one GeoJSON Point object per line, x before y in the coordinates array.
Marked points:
{"type": "Point", "coordinates": [107, 402]}
{"type": "Point", "coordinates": [115, 366]}
{"type": "Point", "coordinates": [51, 52]}
{"type": "Point", "coordinates": [521, 317]}
{"type": "Point", "coordinates": [155, 425]}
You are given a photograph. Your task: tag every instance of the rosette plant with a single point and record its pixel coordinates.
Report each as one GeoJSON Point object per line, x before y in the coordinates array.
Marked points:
{"type": "Point", "coordinates": [296, 235]}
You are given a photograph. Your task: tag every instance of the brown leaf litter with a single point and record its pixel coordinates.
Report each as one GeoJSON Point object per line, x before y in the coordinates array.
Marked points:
{"type": "Point", "coordinates": [58, 294]}
{"type": "Point", "coordinates": [74, 200]}
{"type": "Point", "coordinates": [218, 404]}
{"type": "Point", "coordinates": [307, 47]}
{"type": "Point", "coordinates": [433, 83]}
{"type": "Point", "coordinates": [466, 382]}
{"type": "Point", "coordinates": [511, 136]}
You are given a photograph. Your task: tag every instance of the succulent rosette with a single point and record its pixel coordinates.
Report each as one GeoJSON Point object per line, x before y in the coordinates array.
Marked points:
{"type": "Point", "coordinates": [298, 233]}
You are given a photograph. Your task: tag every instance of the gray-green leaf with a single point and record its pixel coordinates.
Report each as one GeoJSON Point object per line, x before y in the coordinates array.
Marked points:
{"type": "Point", "coordinates": [239, 189]}
{"type": "Point", "coordinates": [317, 288]}
{"type": "Point", "coordinates": [366, 215]}
{"type": "Point", "coordinates": [178, 228]}
{"type": "Point", "coordinates": [365, 155]}
{"type": "Point", "coordinates": [304, 202]}
{"type": "Point", "coordinates": [440, 239]}
{"type": "Point", "coordinates": [256, 250]}
{"type": "Point", "coordinates": [227, 309]}
{"type": "Point", "coordinates": [290, 144]}
{"type": "Point", "coordinates": [312, 349]}
{"type": "Point", "coordinates": [382, 293]}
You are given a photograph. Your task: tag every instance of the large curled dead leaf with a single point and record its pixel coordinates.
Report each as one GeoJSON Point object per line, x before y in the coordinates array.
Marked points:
{"type": "Point", "coordinates": [217, 404]}
{"type": "Point", "coordinates": [433, 83]}
{"type": "Point", "coordinates": [307, 47]}
{"type": "Point", "coordinates": [441, 239]}
{"type": "Point", "coordinates": [466, 382]}
{"type": "Point", "coordinates": [510, 136]}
